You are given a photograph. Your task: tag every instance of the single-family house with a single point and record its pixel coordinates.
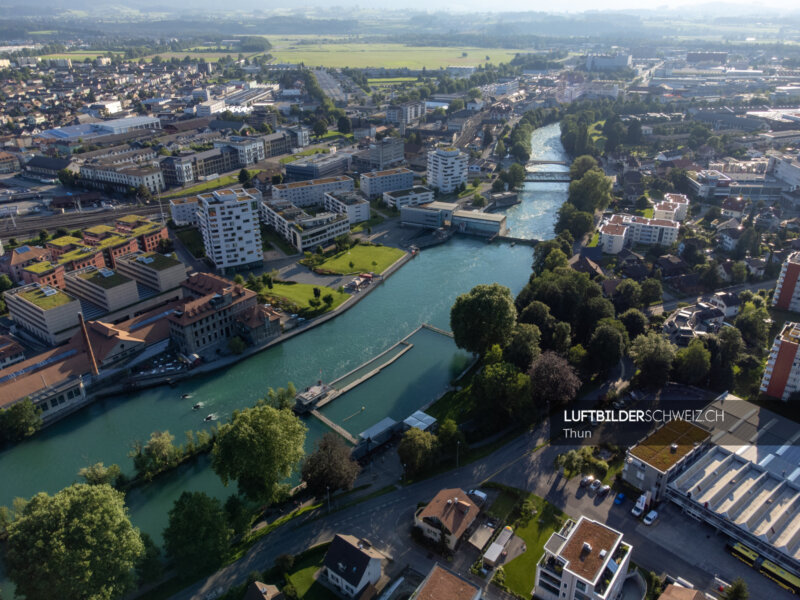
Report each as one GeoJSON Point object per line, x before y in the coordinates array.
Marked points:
{"type": "Point", "coordinates": [351, 564]}
{"type": "Point", "coordinates": [449, 514]}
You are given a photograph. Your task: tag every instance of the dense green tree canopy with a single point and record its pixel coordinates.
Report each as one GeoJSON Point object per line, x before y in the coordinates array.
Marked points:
{"type": "Point", "coordinates": [329, 467]}
{"type": "Point", "coordinates": [553, 381]}
{"type": "Point", "coordinates": [78, 543]}
{"type": "Point", "coordinates": [482, 317]}
{"type": "Point", "coordinates": [653, 355]}
{"type": "Point", "coordinates": [197, 536]}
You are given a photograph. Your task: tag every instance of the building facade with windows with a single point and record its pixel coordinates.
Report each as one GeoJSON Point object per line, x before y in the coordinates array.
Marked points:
{"type": "Point", "coordinates": [410, 197]}
{"type": "Point", "coordinates": [787, 289]}
{"type": "Point", "coordinates": [352, 204]}
{"type": "Point", "coordinates": [311, 193]}
{"type": "Point", "coordinates": [782, 371]}
{"type": "Point", "coordinates": [230, 226]}
{"type": "Point", "coordinates": [375, 184]}
{"type": "Point", "coordinates": [447, 169]}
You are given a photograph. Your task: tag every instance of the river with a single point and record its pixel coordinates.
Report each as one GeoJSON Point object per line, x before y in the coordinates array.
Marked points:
{"type": "Point", "coordinates": [422, 291]}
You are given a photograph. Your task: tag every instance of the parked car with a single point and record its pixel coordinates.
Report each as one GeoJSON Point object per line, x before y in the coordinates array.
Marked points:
{"type": "Point", "coordinates": [604, 490]}
{"type": "Point", "coordinates": [619, 499]}
{"type": "Point", "coordinates": [595, 485]}
{"type": "Point", "coordinates": [650, 517]}
{"type": "Point", "coordinates": [587, 480]}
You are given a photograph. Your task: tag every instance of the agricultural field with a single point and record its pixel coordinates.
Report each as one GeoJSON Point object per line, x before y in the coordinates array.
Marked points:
{"type": "Point", "coordinates": [387, 55]}
{"type": "Point", "coordinates": [76, 56]}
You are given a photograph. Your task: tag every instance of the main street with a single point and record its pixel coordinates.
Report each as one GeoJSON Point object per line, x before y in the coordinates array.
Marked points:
{"type": "Point", "coordinates": [675, 545]}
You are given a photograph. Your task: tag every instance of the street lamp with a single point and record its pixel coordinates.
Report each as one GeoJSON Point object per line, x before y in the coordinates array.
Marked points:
{"type": "Point", "coordinates": [458, 445]}
{"type": "Point", "coordinates": [328, 493]}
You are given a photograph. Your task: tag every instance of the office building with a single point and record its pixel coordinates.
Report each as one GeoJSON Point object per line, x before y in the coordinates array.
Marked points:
{"type": "Point", "coordinates": [374, 184]}
{"type": "Point", "coordinates": [45, 313]}
{"type": "Point", "coordinates": [231, 232]}
{"type": "Point", "coordinates": [156, 271]}
{"type": "Point", "coordinates": [380, 155]}
{"type": "Point", "coordinates": [447, 169]}
{"type": "Point", "coordinates": [248, 150]}
{"type": "Point", "coordinates": [352, 204]}
{"type": "Point", "coordinates": [782, 372]}
{"type": "Point", "coordinates": [432, 215]}
{"type": "Point", "coordinates": [410, 197]}
{"type": "Point", "coordinates": [318, 167]}
{"type": "Point", "coordinates": [301, 230]}
{"type": "Point", "coordinates": [183, 211]}
{"type": "Point", "coordinates": [210, 107]}
{"type": "Point", "coordinates": [311, 193]}
{"type": "Point", "coordinates": [405, 114]}
{"type": "Point", "coordinates": [103, 287]}
{"type": "Point", "coordinates": [123, 178]}
{"type": "Point", "coordinates": [583, 561]}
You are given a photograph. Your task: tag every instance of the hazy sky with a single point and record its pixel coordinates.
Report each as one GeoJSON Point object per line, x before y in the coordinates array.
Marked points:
{"type": "Point", "coordinates": [588, 5]}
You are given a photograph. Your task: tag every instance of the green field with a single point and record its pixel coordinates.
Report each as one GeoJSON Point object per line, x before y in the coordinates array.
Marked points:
{"type": "Point", "coordinates": [374, 259]}
{"type": "Point", "coordinates": [390, 80]}
{"type": "Point", "coordinates": [301, 293]}
{"type": "Point", "coordinates": [521, 572]}
{"type": "Point", "coordinates": [388, 55]}
{"type": "Point", "coordinates": [76, 56]}
{"type": "Point", "coordinates": [302, 575]}
{"type": "Point", "coordinates": [213, 184]}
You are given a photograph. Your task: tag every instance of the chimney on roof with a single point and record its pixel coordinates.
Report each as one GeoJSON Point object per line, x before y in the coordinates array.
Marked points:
{"type": "Point", "coordinates": [673, 448]}
{"type": "Point", "coordinates": [587, 547]}
{"type": "Point", "coordinates": [89, 351]}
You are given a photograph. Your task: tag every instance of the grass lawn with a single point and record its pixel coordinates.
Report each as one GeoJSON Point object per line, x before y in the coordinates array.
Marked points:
{"type": "Point", "coordinates": [503, 505]}
{"type": "Point", "coordinates": [219, 182]}
{"type": "Point", "coordinates": [595, 240]}
{"type": "Point", "coordinates": [301, 293]}
{"type": "Point", "coordinates": [388, 55]}
{"type": "Point", "coordinates": [374, 259]}
{"type": "Point", "coordinates": [521, 572]}
{"type": "Point", "coordinates": [193, 240]}
{"type": "Point", "coordinates": [390, 80]}
{"type": "Point", "coordinates": [301, 154]}
{"type": "Point", "coordinates": [302, 575]}
{"type": "Point", "coordinates": [374, 220]}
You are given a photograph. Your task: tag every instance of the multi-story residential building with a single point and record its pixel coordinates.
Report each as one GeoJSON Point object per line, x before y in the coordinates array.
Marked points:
{"type": "Point", "coordinates": [447, 169]}
{"type": "Point", "coordinates": [301, 230]}
{"type": "Point", "coordinates": [405, 114]}
{"type": "Point", "coordinates": [153, 270]}
{"type": "Point", "coordinates": [11, 352]}
{"type": "Point", "coordinates": [380, 155]}
{"type": "Point", "coordinates": [216, 310]}
{"type": "Point", "coordinates": [311, 193]}
{"type": "Point", "coordinates": [301, 135]}
{"type": "Point", "coordinates": [209, 107]}
{"type": "Point", "coordinates": [374, 184]}
{"type": "Point", "coordinates": [787, 289]}
{"type": "Point", "coordinates": [45, 313]}
{"type": "Point", "coordinates": [786, 167]}
{"type": "Point", "coordinates": [583, 561]}
{"type": "Point", "coordinates": [249, 150]}
{"type": "Point", "coordinates": [185, 169]}
{"type": "Point", "coordinates": [620, 231]}
{"type": "Point", "coordinates": [352, 204]}
{"type": "Point", "coordinates": [782, 372]}
{"type": "Point", "coordinates": [655, 459]}
{"type": "Point", "coordinates": [183, 211]}
{"type": "Point", "coordinates": [103, 287]}
{"type": "Point", "coordinates": [123, 178]}
{"type": "Point", "coordinates": [673, 208]}
{"type": "Point", "coordinates": [8, 163]}
{"type": "Point", "coordinates": [411, 197]}
{"type": "Point", "coordinates": [231, 233]}
{"type": "Point", "coordinates": [317, 167]}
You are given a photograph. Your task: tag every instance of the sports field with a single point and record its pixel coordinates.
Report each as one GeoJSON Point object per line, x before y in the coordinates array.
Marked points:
{"type": "Point", "coordinates": [387, 55]}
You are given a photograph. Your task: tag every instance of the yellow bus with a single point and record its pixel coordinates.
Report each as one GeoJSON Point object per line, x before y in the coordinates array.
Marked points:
{"type": "Point", "coordinates": [780, 576]}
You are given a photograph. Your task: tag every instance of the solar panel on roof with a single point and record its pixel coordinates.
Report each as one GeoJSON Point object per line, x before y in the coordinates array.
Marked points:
{"type": "Point", "coordinates": [105, 272]}
{"type": "Point", "coordinates": [23, 249]}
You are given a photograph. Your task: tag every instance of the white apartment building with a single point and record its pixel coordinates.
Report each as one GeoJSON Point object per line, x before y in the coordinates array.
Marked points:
{"type": "Point", "coordinates": [411, 197]}
{"type": "Point", "coordinates": [674, 207]}
{"type": "Point", "coordinates": [122, 177]}
{"type": "Point", "coordinates": [231, 232]}
{"type": "Point", "coordinates": [403, 114]}
{"type": "Point", "coordinates": [786, 167]}
{"type": "Point", "coordinates": [183, 210]}
{"type": "Point", "coordinates": [447, 169]}
{"type": "Point", "coordinates": [376, 183]}
{"type": "Point", "coordinates": [621, 231]}
{"type": "Point", "coordinates": [312, 192]}
{"type": "Point", "coordinates": [299, 228]}
{"type": "Point", "coordinates": [352, 204]}
{"type": "Point", "coordinates": [249, 150]}
{"type": "Point", "coordinates": [584, 561]}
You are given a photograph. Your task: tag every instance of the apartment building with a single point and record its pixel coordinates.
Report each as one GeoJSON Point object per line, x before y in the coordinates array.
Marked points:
{"type": "Point", "coordinates": [209, 107]}
{"type": "Point", "coordinates": [786, 167]}
{"type": "Point", "coordinates": [405, 114]}
{"type": "Point", "coordinates": [46, 313]}
{"type": "Point", "coordinates": [231, 233]}
{"type": "Point", "coordinates": [443, 584]}
{"type": "Point", "coordinates": [655, 459]}
{"type": "Point", "coordinates": [214, 311]}
{"type": "Point", "coordinates": [583, 561]}
{"type": "Point", "coordinates": [8, 163]}
{"type": "Point", "coordinates": [311, 193]}
{"type": "Point", "coordinates": [787, 289]}
{"type": "Point", "coordinates": [103, 287]}
{"type": "Point", "coordinates": [674, 207]}
{"type": "Point", "coordinates": [248, 150]}
{"type": "Point", "coordinates": [621, 231]}
{"type": "Point", "coordinates": [301, 230]}
{"type": "Point", "coordinates": [351, 564]}
{"type": "Point", "coordinates": [380, 155]}
{"type": "Point", "coordinates": [317, 167]}
{"type": "Point", "coordinates": [782, 372]}
{"type": "Point", "coordinates": [376, 183]}
{"type": "Point", "coordinates": [352, 204]}
{"type": "Point", "coordinates": [447, 169]}
{"type": "Point", "coordinates": [410, 197]}
{"type": "Point", "coordinates": [44, 273]}
{"type": "Point", "coordinates": [153, 270]}
{"type": "Point", "coordinates": [122, 178]}
{"type": "Point", "coordinates": [183, 211]}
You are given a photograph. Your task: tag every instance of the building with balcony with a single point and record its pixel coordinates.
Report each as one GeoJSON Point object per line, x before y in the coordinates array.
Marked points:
{"type": "Point", "coordinates": [122, 178]}
{"type": "Point", "coordinates": [352, 204]}
{"type": "Point", "coordinates": [622, 231]}
{"type": "Point", "coordinates": [374, 184]}
{"type": "Point", "coordinates": [447, 169]}
{"type": "Point", "coordinates": [405, 114]}
{"type": "Point", "coordinates": [410, 197]}
{"type": "Point", "coordinates": [782, 372]}
{"type": "Point", "coordinates": [311, 193]}
{"type": "Point", "coordinates": [351, 565]}
{"type": "Point", "coordinates": [231, 232]}
{"type": "Point", "coordinates": [658, 457]}
{"type": "Point", "coordinates": [183, 211]}
{"type": "Point", "coordinates": [584, 561]}
{"type": "Point", "coordinates": [787, 289]}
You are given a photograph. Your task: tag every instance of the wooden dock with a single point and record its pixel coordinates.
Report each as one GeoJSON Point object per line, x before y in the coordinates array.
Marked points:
{"type": "Point", "coordinates": [337, 428]}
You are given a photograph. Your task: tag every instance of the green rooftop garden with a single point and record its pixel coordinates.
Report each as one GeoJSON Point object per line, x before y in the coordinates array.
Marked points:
{"type": "Point", "coordinates": [65, 240]}
{"type": "Point", "coordinates": [45, 301]}
{"type": "Point", "coordinates": [161, 262]}
{"type": "Point", "coordinates": [97, 278]}
{"type": "Point", "coordinates": [39, 267]}
{"type": "Point", "coordinates": [76, 254]}
{"type": "Point", "coordinates": [99, 229]}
